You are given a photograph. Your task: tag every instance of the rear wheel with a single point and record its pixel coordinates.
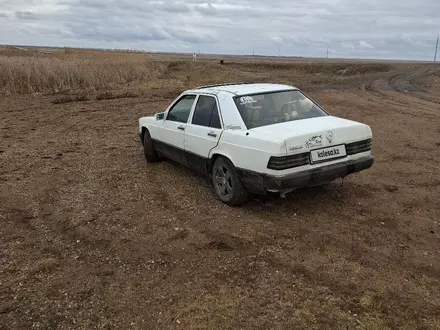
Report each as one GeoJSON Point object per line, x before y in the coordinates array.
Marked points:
{"type": "Point", "coordinates": [227, 183]}
{"type": "Point", "coordinates": [150, 154]}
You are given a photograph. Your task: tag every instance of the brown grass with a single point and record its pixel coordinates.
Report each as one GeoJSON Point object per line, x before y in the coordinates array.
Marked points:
{"type": "Point", "coordinates": [67, 98]}
{"type": "Point", "coordinates": [317, 67]}
{"type": "Point", "coordinates": [61, 72]}
{"type": "Point", "coordinates": [102, 74]}
{"type": "Point", "coordinates": [114, 95]}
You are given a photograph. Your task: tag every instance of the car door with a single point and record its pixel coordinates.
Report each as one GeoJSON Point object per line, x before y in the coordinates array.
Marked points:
{"type": "Point", "coordinates": [172, 133]}
{"type": "Point", "coordinates": [202, 132]}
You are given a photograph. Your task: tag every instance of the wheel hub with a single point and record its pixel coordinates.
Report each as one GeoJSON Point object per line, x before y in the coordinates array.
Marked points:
{"type": "Point", "coordinates": [222, 178]}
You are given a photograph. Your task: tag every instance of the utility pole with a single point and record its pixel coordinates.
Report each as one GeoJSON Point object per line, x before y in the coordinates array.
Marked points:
{"type": "Point", "coordinates": [436, 48]}
{"type": "Point", "coordinates": [327, 51]}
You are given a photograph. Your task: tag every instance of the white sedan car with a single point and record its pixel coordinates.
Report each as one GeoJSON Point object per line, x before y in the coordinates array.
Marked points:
{"type": "Point", "coordinates": [256, 138]}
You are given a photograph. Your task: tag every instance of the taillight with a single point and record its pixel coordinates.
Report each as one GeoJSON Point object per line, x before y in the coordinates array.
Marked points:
{"type": "Point", "coordinates": [285, 162]}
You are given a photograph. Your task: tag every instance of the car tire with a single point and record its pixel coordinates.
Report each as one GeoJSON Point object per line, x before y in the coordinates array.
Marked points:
{"type": "Point", "coordinates": [150, 153]}
{"type": "Point", "coordinates": [227, 183]}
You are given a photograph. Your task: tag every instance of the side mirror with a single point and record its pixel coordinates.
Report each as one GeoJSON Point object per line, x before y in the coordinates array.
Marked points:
{"type": "Point", "coordinates": [160, 116]}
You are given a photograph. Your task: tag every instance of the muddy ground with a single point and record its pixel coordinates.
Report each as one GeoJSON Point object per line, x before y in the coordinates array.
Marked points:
{"type": "Point", "coordinates": [93, 237]}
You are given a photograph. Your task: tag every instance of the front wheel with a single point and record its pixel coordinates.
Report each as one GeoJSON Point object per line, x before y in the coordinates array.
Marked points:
{"type": "Point", "coordinates": [227, 184]}
{"type": "Point", "coordinates": [149, 152]}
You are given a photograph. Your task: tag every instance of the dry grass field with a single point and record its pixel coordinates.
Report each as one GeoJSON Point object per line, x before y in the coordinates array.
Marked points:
{"type": "Point", "coordinates": [93, 237]}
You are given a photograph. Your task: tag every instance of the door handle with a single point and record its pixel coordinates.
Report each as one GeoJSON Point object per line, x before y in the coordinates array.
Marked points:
{"type": "Point", "coordinates": [181, 128]}
{"type": "Point", "coordinates": [212, 134]}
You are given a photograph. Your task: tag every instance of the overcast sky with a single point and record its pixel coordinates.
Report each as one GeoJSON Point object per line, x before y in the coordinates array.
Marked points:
{"type": "Point", "coordinates": [400, 29]}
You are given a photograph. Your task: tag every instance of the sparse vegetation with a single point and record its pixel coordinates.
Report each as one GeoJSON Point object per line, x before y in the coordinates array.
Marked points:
{"type": "Point", "coordinates": [324, 68]}
{"type": "Point", "coordinates": [67, 98]}
{"type": "Point", "coordinates": [101, 73]}
{"type": "Point", "coordinates": [115, 95]}
{"type": "Point", "coordinates": [60, 73]}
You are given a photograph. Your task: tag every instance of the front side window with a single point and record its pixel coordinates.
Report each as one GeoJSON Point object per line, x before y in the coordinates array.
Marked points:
{"type": "Point", "coordinates": [181, 110]}
{"type": "Point", "coordinates": [276, 107]}
{"type": "Point", "coordinates": [206, 112]}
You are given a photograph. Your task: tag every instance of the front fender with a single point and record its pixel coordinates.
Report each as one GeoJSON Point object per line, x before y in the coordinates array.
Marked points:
{"type": "Point", "coordinates": [151, 124]}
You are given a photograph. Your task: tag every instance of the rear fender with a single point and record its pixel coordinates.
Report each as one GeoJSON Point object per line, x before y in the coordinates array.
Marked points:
{"type": "Point", "coordinates": [252, 181]}
{"type": "Point", "coordinates": [214, 154]}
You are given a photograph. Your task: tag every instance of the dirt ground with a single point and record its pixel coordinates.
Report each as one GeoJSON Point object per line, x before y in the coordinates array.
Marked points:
{"type": "Point", "coordinates": [93, 237]}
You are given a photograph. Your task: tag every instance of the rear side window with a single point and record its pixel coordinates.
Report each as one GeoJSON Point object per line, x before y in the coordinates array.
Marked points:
{"type": "Point", "coordinates": [206, 112]}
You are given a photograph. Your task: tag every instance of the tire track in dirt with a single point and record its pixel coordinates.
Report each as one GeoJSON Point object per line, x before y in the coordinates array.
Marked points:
{"type": "Point", "coordinates": [403, 89]}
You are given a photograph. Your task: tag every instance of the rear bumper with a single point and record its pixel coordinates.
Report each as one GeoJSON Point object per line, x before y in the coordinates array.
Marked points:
{"type": "Point", "coordinates": [261, 183]}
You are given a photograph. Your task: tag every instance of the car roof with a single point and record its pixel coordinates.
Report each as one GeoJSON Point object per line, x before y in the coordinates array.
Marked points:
{"type": "Point", "coordinates": [242, 88]}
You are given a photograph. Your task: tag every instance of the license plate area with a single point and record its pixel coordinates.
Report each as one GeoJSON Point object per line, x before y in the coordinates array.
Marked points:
{"type": "Point", "coordinates": [328, 153]}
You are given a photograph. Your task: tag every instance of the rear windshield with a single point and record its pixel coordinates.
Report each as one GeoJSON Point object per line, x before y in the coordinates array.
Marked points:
{"type": "Point", "coordinates": [276, 107]}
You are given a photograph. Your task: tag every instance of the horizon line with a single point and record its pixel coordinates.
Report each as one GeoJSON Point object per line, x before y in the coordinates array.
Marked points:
{"type": "Point", "coordinates": [134, 50]}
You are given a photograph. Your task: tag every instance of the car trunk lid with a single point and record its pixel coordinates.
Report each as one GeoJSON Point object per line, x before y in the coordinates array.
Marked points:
{"type": "Point", "coordinates": [314, 133]}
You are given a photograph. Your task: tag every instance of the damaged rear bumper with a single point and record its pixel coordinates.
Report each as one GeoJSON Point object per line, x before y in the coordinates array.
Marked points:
{"type": "Point", "coordinates": [261, 183]}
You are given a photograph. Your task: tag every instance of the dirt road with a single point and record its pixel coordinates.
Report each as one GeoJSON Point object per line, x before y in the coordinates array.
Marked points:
{"type": "Point", "coordinates": [93, 237]}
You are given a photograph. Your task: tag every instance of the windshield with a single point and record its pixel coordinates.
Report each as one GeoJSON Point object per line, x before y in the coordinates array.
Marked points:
{"type": "Point", "coordinates": [276, 107]}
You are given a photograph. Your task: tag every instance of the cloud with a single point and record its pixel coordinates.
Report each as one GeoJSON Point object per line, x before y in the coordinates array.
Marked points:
{"type": "Point", "coordinates": [190, 36]}
{"type": "Point", "coordinates": [393, 29]}
{"type": "Point", "coordinates": [364, 44]}
{"type": "Point", "coordinates": [206, 8]}
{"type": "Point", "coordinates": [26, 15]}
{"type": "Point", "coordinates": [118, 34]}
{"type": "Point", "coordinates": [173, 7]}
